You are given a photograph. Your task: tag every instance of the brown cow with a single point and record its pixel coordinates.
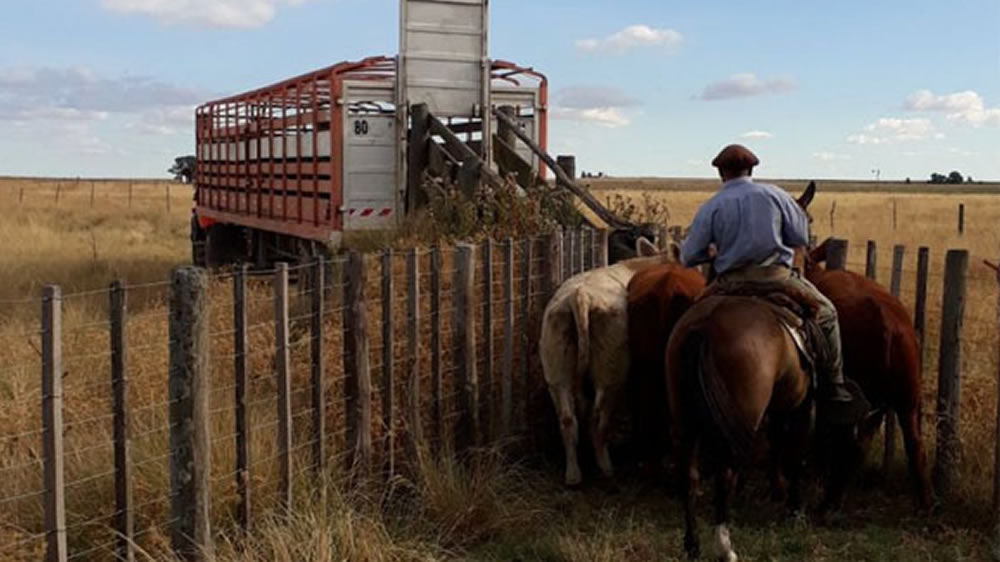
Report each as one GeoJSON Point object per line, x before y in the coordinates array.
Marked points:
{"type": "Point", "coordinates": [881, 353]}
{"type": "Point", "coordinates": [657, 298]}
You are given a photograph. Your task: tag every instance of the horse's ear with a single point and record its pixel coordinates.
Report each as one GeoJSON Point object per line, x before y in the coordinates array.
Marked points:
{"type": "Point", "coordinates": [807, 196]}
{"type": "Point", "coordinates": [644, 248]}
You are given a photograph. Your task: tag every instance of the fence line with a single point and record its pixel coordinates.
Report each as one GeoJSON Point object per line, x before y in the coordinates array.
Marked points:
{"type": "Point", "coordinates": [336, 411]}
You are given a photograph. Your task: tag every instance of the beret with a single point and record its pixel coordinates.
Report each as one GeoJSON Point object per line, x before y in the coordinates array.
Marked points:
{"type": "Point", "coordinates": [735, 157]}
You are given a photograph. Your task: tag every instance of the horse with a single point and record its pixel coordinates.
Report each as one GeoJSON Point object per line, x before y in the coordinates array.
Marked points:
{"type": "Point", "coordinates": [882, 354]}
{"type": "Point", "coordinates": [584, 341]}
{"type": "Point", "coordinates": [657, 298]}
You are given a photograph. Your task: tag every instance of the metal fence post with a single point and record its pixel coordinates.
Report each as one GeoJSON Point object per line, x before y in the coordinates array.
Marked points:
{"type": "Point", "coordinates": [241, 387]}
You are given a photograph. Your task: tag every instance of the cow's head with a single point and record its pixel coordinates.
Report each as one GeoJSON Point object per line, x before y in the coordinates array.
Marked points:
{"type": "Point", "coordinates": [623, 243]}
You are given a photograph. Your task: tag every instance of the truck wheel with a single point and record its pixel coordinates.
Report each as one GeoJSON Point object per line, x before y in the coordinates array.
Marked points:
{"type": "Point", "coordinates": [225, 245]}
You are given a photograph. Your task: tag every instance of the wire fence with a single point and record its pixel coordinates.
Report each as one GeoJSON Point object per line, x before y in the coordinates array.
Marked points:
{"type": "Point", "coordinates": [351, 367]}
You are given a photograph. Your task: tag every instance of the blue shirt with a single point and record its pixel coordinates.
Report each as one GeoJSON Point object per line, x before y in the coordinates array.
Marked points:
{"type": "Point", "coordinates": [748, 223]}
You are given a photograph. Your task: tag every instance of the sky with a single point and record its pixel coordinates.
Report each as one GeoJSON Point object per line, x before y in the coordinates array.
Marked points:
{"type": "Point", "coordinates": [852, 89]}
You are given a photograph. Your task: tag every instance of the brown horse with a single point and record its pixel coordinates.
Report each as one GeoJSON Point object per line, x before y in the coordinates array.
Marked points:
{"type": "Point", "coordinates": [882, 354]}
{"type": "Point", "coordinates": [730, 362]}
{"type": "Point", "coordinates": [657, 298]}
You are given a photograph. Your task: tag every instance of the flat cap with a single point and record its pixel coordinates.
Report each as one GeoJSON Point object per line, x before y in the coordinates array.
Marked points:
{"type": "Point", "coordinates": [735, 157]}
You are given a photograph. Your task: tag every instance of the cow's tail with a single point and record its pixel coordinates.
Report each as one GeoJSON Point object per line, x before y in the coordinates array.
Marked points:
{"type": "Point", "coordinates": [711, 403]}
{"type": "Point", "coordinates": [580, 305]}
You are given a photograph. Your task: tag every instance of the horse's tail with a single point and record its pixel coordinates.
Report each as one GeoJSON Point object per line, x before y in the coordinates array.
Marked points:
{"type": "Point", "coordinates": [580, 305]}
{"type": "Point", "coordinates": [717, 410]}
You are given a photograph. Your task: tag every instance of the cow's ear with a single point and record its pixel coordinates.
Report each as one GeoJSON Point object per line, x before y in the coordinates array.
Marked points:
{"type": "Point", "coordinates": [644, 248]}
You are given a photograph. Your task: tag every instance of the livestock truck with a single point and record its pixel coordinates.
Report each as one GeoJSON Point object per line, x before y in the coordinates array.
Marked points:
{"type": "Point", "coordinates": [284, 171]}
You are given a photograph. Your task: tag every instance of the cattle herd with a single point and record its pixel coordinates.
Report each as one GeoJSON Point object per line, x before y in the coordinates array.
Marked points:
{"type": "Point", "coordinates": [609, 329]}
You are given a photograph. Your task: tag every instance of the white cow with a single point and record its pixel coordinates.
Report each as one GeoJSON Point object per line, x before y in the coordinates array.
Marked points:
{"type": "Point", "coordinates": [585, 333]}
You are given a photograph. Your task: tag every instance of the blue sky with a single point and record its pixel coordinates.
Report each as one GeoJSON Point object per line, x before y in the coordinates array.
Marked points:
{"type": "Point", "coordinates": [107, 87]}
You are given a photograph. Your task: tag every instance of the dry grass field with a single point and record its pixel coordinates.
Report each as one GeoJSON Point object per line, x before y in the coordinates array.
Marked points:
{"type": "Point", "coordinates": [484, 510]}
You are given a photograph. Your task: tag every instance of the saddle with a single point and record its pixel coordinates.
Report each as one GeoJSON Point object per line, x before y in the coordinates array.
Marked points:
{"type": "Point", "coordinates": [795, 309]}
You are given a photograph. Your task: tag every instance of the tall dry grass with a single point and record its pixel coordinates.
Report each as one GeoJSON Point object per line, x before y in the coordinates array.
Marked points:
{"type": "Point", "coordinates": [484, 510]}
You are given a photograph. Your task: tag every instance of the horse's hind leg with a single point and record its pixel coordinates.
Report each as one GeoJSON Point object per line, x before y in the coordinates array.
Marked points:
{"type": "Point", "coordinates": [910, 424]}
{"type": "Point", "coordinates": [722, 544]}
{"type": "Point", "coordinates": [689, 491]}
{"type": "Point", "coordinates": [775, 458]}
{"type": "Point", "coordinates": [562, 396]}
{"type": "Point", "coordinates": [794, 450]}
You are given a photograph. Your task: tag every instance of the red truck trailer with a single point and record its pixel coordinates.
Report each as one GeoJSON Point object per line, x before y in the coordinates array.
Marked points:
{"type": "Point", "coordinates": [284, 171]}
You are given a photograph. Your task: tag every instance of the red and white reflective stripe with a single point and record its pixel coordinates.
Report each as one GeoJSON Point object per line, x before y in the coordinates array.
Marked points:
{"type": "Point", "coordinates": [369, 211]}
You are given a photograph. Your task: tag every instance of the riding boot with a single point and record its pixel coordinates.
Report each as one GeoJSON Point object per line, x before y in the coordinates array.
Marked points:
{"type": "Point", "coordinates": [837, 404]}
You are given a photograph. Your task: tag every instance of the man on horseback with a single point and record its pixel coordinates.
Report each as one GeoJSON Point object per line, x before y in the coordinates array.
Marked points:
{"type": "Point", "coordinates": [754, 229]}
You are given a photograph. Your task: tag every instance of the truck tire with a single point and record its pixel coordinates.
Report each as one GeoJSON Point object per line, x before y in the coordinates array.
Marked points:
{"type": "Point", "coordinates": [225, 244]}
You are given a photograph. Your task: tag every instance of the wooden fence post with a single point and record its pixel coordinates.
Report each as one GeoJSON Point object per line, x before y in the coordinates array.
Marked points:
{"type": "Point", "coordinates": [578, 256]}
{"type": "Point", "coordinates": [486, 378]}
{"type": "Point", "coordinates": [895, 282]}
{"type": "Point", "coordinates": [417, 153]}
{"type": "Point", "coordinates": [836, 254]}
{"type": "Point", "coordinates": [961, 219]}
{"type": "Point", "coordinates": [920, 306]}
{"type": "Point", "coordinates": [553, 263]}
{"type": "Point", "coordinates": [413, 349]}
{"type": "Point", "coordinates": [130, 186]}
{"type": "Point", "coordinates": [124, 517]}
{"type": "Point", "coordinates": [284, 384]}
{"type": "Point", "coordinates": [468, 430]}
{"type": "Point", "coordinates": [388, 377]}
{"type": "Point", "coordinates": [190, 449]}
{"type": "Point", "coordinates": [168, 195]}
{"type": "Point", "coordinates": [871, 261]}
{"type": "Point", "coordinates": [526, 259]}
{"type": "Point", "coordinates": [58, 191]}
{"type": "Point", "coordinates": [241, 387]}
{"type": "Point", "coordinates": [316, 347]}
{"type": "Point", "coordinates": [52, 425]}
{"type": "Point", "coordinates": [996, 452]}
{"type": "Point", "coordinates": [567, 255]}
{"type": "Point", "coordinates": [92, 190]}
{"type": "Point", "coordinates": [357, 384]}
{"type": "Point", "coordinates": [506, 387]}
{"type": "Point", "coordinates": [436, 425]}
{"type": "Point", "coordinates": [833, 211]}
{"type": "Point", "coordinates": [602, 249]}
{"type": "Point", "coordinates": [949, 371]}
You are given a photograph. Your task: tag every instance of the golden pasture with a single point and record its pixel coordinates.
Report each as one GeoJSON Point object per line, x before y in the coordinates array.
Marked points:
{"type": "Point", "coordinates": [83, 241]}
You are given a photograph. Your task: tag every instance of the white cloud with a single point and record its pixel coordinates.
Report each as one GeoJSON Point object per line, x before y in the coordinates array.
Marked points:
{"type": "Point", "coordinates": [633, 36]}
{"type": "Point", "coordinates": [889, 130]}
{"type": "Point", "coordinates": [757, 135]}
{"type": "Point", "coordinates": [211, 13]}
{"type": "Point", "coordinates": [965, 107]}
{"type": "Point", "coordinates": [597, 104]}
{"type": "Point", "coordinates": [583, 97]}
{"type": "Point", "coordinates": [746, 85]}
{"type": "Point", "coordinates": [610, 117]}
{"type": "Point", "coordinates": [830, 156]}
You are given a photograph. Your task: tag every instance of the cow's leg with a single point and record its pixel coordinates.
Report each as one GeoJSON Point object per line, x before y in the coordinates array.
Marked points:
{"type": "Point", "coordinates": [562, 396]}
{"type": "Point", "coordinates": [910, 424]}
{"type": "Point", "coordinates": [604, 403]}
